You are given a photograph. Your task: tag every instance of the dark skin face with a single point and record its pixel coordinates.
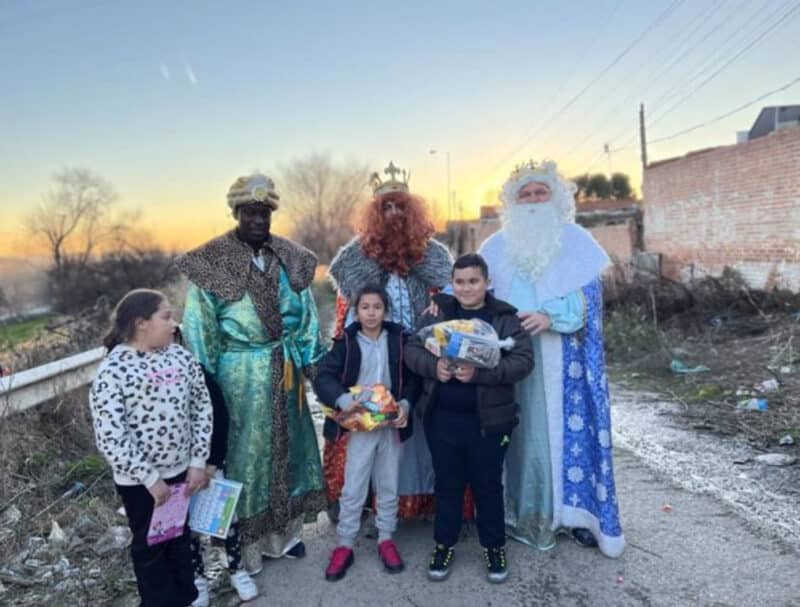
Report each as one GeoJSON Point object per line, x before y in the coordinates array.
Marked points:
{"type": "Point", "coordinates": [254, 224]}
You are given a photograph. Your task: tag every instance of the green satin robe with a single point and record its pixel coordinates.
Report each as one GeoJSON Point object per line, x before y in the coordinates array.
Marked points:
{"type": "Point", "coordinates": [272, 444]}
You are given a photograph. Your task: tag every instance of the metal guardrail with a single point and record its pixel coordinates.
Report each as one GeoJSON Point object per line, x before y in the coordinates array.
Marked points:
{"type": "Point", "coordinates": [32, 387]}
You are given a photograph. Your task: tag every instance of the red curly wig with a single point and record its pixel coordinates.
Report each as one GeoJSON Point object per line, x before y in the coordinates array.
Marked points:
{"type": "Point", "coordinates": [397, 242]}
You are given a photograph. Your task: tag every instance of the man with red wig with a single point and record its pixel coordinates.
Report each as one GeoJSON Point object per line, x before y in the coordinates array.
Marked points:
{"type": "Point", "coordinates": [395, 249]}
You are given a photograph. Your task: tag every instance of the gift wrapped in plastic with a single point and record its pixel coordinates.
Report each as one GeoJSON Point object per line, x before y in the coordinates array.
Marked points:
{"type": "Point", "coordinates": [375, 408]}
{"type": "Point", "coordinates": [473, 341]}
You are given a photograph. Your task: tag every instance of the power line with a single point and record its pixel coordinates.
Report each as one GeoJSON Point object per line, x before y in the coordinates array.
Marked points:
{"type": "Point", "coordinates": [681, 86]}
{"type": "Point", "coordinates": [706, 123]}
{"type": "Point", "coordinates": [657, 75]}
{"type": "Point", "coordinates": [549, 121]}
{"type": "Point", "coordinates": [782, 20]}
{"type": "Point", "coordinates": [726, 114]}
{"type": "Point", "coordinates": [583, 56]}
{"type": "Point", "coordinates": [716, 54]}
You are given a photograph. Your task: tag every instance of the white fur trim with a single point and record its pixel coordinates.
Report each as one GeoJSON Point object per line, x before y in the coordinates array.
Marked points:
{"type": "Point", "coordinates": [580, 260]}
{"type": "Point", "coordinates": [577, 518]}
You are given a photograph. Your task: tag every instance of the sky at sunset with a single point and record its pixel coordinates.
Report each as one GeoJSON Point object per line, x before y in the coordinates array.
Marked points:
{"type": "Point", "coordinates": [171, 101]}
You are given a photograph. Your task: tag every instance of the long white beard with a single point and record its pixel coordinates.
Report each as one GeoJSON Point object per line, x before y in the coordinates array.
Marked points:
{"type": "Point", "coordinates": [533, 236]}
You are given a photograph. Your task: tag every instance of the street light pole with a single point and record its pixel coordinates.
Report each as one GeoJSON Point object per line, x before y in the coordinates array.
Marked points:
{"type": "Point", "coordinates": [448, 183]}
{"type": "Point", "coordinates": [448, 196]}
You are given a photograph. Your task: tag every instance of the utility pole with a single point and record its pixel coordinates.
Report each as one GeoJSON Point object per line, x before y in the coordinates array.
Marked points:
{"type": "Point", "coordinates": [642, 136]}
{"type": "Point", "coordinates": [607, 150]}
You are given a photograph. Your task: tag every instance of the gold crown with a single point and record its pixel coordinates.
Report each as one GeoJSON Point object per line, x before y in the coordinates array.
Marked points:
{"type": "Point", "coordinates": [380, 187]}
{"type": "Point", "coordinates": [546, 168]}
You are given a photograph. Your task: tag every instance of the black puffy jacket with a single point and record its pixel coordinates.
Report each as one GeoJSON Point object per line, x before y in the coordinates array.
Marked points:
{"type": "Point", "coordinates": [497, 409]}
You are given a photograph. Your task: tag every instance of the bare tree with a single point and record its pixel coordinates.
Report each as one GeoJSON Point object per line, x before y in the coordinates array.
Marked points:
{"type": "Point", "coordinates": [77, 217]}
{"type": "Point", "coordinates": [323, 199]}
{"type": "Point", "coordinates": [77, 221]}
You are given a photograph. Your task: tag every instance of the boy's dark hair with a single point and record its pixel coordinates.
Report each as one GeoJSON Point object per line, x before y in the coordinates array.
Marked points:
{"type": "Point", "coordinates": [471, 260]}
{"type": "Point", "coordinates": [372, 290]}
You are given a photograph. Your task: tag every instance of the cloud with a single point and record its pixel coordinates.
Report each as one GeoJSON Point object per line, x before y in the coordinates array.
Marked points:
{"type": "Point", "coordinates": [165, 72]}
{"type": "Point", "coordinates": [190, 75]}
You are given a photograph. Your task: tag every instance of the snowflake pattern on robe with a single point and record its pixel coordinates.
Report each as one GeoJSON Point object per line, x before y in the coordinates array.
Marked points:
{"type": "Point", "coordinates": [588, 472]}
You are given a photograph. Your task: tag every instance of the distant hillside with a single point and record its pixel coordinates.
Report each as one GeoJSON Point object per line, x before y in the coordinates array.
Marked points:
{"type": "Point", "coordinates": [13, 265]}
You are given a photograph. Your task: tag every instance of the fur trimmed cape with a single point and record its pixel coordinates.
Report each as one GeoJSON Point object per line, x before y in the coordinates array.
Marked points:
{"type": "Point", "coordinates": [351, 270]}
{"type": "Point", "coordinates": [224, 267]}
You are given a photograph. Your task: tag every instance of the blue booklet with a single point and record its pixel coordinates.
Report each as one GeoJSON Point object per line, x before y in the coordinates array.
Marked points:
{"type": "Point", "coordinates": [212, 509]}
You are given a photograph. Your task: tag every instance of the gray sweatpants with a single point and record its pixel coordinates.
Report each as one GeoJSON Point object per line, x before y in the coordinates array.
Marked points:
{"type": "Point", "coordinates": [370, 455]}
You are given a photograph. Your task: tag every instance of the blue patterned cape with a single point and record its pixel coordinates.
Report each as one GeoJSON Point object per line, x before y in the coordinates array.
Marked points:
{"type": "Point", "coordinates": [589, 496]}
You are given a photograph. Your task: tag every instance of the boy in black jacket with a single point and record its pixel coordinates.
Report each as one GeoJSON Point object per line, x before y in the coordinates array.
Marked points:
{"type": "Point", "coordinates": [369, 352]}
{"type": "Point", "coordinates": [469, 414]}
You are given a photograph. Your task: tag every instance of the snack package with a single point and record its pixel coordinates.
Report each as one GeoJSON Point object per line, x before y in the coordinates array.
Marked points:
{"type": "Point", "coordinates": [473, 341]}
{"type": "Point", "coordinates": [375, 409]}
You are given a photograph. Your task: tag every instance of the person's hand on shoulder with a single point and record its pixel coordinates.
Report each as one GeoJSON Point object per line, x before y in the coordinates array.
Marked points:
{"type": "Point", "coordinates": [535, 322]}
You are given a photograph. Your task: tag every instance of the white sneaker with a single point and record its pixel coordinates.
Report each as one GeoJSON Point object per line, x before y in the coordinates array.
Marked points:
{"type": "Point", "coordinates": [202, 600]}
{"type": "Point", "coordinates": [244, 585]}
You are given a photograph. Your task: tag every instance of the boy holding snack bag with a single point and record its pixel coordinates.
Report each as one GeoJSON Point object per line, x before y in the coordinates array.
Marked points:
{"type": "Point", "coordinates": [369, 392]}
{"type": "Point", "coordinates": [467, 404]}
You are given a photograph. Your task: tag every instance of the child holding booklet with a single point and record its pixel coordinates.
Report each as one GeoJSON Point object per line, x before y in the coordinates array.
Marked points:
{"type": "Point", "coordinates": [152, 420]}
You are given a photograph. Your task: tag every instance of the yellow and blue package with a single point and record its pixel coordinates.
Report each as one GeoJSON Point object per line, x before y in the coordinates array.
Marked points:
{"type": "Point", "coordinates": [473, 341]}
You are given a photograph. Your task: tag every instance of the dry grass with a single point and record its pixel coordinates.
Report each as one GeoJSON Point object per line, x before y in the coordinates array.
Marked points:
{"type": "Point", "coordinates": [744, 337]}
{"type": "Point", "coordinates": [44, 452]}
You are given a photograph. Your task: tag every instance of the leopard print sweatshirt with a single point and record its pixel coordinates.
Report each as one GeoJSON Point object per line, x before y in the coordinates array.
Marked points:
{"type": "Point", "coordinates": [152, 413]}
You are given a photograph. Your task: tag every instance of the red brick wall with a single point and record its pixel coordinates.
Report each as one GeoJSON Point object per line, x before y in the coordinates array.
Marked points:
{"type": "Point", "coordinates": [736, 206]}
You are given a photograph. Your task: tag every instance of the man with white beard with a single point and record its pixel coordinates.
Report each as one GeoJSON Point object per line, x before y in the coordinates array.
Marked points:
{"type": "Point", "coordinates": [559, 473]}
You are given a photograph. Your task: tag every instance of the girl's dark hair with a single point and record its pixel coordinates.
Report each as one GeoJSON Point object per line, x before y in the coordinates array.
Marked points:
{"type": "Point", "coordinates": [139, 304]}
{"type": "Point", "coordinates": [372, 290]}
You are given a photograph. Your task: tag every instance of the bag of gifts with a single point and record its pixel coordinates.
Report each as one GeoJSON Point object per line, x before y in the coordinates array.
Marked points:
{"type": "Point", "coordinates": [473, 341]}
{"type": "Point", "coordinates": [375, 408]}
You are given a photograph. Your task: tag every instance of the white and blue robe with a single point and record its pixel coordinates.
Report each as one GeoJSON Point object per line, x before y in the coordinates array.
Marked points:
{"type": "Point", "coordinates": [559, 470]}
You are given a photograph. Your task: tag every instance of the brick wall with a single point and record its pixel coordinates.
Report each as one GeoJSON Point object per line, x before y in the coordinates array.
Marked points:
{"type": "Point", "coordinates": [736, 206]}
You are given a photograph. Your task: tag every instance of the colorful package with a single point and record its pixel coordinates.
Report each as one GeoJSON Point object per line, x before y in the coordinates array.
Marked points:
{"type": "Point", "coordinates": [375, 408]}
{"type": "Point", "coordinates": [473, 341]}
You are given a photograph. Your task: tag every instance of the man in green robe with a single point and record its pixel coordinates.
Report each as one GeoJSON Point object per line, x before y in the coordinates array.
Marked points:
{"type": "Point", "coordinates": [251, 320]}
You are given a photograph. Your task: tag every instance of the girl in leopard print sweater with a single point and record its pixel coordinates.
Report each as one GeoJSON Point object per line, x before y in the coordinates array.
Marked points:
{"type": "Point", "coordinates": [152, 420]}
